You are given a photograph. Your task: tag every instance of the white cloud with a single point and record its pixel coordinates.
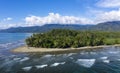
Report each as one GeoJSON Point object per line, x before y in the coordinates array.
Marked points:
{"type": "Point", "coordinates": [55, 18]}
{"type": "Point", "coordinates": [113, 15]}
{"type": "Point", "coordinates": [7, 19]}
{"type": "Point", "coordinates": [5, 26]}
{"type": "Point", "coordinates": [109, 3]}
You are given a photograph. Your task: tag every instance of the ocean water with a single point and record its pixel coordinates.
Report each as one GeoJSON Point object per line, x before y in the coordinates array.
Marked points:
{"type": "Point", "coordinates": [10, 41]}
{"type": "Point", "coordinates": [104, 60]}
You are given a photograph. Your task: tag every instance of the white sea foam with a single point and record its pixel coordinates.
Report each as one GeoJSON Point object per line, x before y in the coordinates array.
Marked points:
{"type": "Point", "coordinates": [103, 58]}
{"type": "Point", "coordinates": [86, 62]}
{"type": "Point", "coordinates": [84, 53]}
{"type": "Point", "coordinates": [56, 64]}
{"type": "Point", "coordinates": [24, 59]}
{"type": "Point", "coordinates": [113, 52]}
{"type": "Point", "coordinates": [41, 66]}
{"type": "Point", "coordinates": [93, 53]}
{"type": "Point", "coordinates": [71, 58]}
{"type": "Point", "coordinates": [62, 63]}
{"type": "Point", "coordinates": [16, 59]}
{"type": "Point", "coordinates": [27, 68]}
{"type": "Point", "coordinates": [118, 59]}
{"type": "Point", "coordinates": [47, 56]}
{"type": "Point", "coordinates": [70, 54]}
{"type": "Point", "coordinates": [13, 56]}
{"type": "Point", "coordinates": [106, 61]}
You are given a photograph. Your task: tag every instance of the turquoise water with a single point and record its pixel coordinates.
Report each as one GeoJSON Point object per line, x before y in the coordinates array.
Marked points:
{"type": "Point", "coordinates": [104, 60]}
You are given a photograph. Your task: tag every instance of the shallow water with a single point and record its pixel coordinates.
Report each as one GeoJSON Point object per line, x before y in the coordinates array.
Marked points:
{"type": "Point", "coordinates": [104, 60]}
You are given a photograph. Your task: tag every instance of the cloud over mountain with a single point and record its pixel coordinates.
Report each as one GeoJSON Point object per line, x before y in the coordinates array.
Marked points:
{"type": "Point", "coordinates": [56, 18]}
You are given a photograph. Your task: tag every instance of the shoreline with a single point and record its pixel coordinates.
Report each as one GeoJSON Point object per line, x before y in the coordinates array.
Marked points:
{"type": "Point", "coordinates": [25, 49]}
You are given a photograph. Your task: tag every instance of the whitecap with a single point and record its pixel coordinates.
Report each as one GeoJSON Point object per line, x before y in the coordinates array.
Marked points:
{"type": "Point", "coordinates": [56, 64]}
{"type": "Point", "coordinates": [86, 62]}
{"type": "Point", "coordinates": [24, 59]}
{"type": "Point", "coordinates": [106, 61]}
{"type": "Point", "coordinates": [27, 68]}
{"type": "Point", "coordinates": [41, 66]}
{"type": "Point", "coordinates": [103, 58]}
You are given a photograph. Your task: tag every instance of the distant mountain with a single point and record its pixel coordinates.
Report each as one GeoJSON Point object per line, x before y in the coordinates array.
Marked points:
{"type": "Point", "coordinates": [106, 26]}
{"type": "Point", "coordinates": [46, 27]}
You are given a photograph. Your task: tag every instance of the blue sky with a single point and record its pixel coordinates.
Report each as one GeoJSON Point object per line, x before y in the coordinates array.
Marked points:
{"type": "Point", "coordinates": [15, 13]}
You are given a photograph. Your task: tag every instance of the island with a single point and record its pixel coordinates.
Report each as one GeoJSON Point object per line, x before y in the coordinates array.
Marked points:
{"type": "Point", "coordinates": [65, 40]}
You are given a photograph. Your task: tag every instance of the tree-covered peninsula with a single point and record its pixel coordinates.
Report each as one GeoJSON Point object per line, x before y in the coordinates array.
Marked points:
{"type": "Point", "coordinates": [64, 38]}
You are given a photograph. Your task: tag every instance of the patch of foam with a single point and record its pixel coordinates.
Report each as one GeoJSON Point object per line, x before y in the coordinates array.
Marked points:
{"type": "Point", "coordinates": [103, 58]}
{"type": "Point", "coordinates": [56, 64]}
{"type": "Point", "coordinates": [24, 59]}
{"type": "Point", "coordinates": [71, 58]}
{"type": "Point", "coordinates": [16, 59]}
{"type": "Point", "coordinates": [47, 56]}
{"type": "Point", "coordinates": [93, 53]}
{"type": "Point", "coordinates": [27, 68]}
{"type": "Point", "coordinates": [106, 61]}
{"type": "Point", "coordinates": [70, 54]}
{"type": "Point", "coordinates": [13, 56]}
{"type": "Point", "coordinates": [113, 52]}
{"type": "Point", "coordinates": [62, 63]}
{"type": "Point", "coordinates": [41, 66]}
{"type": "Point", "coordinates": [84, 53]}
{"type": "Point", "coordinates": [118, 59]}
{"type": "Point", "coordinates": [86, 62]}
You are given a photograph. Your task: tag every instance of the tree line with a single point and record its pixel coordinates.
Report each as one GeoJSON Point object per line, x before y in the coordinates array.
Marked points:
{"type": "Point", "coordinates": [64, 38]}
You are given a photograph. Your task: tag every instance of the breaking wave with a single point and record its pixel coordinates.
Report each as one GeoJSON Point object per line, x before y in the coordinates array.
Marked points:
{"type": "Point", "coordinates": [86, 62]}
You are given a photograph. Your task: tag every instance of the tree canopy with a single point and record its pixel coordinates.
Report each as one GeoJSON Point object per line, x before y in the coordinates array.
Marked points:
{"type": "Point", "coordinates": [64, 38]}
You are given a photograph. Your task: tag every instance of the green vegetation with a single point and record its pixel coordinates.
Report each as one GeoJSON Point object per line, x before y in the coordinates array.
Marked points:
{"type": "Point", "coordinates": [63, 38]}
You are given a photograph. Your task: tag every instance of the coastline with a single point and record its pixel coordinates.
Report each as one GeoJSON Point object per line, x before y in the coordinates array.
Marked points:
{"type": "Point", "coordinates": [25, 49]}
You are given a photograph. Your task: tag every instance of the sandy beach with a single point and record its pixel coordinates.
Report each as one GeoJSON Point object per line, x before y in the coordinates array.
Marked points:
{"type": "Point", "coordinates": [25, 49]}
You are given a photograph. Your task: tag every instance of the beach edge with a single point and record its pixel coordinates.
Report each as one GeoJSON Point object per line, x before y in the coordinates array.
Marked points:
{"type": "Point", "coordinates": [25, 49]}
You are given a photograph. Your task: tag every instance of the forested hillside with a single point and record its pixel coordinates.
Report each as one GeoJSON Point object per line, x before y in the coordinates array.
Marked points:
{"type": "Point", "coordinates": [106, 26]}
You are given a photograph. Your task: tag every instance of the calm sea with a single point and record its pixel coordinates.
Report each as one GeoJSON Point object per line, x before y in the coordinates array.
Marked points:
{"type": "Point", "coordinates": [104, 60]}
